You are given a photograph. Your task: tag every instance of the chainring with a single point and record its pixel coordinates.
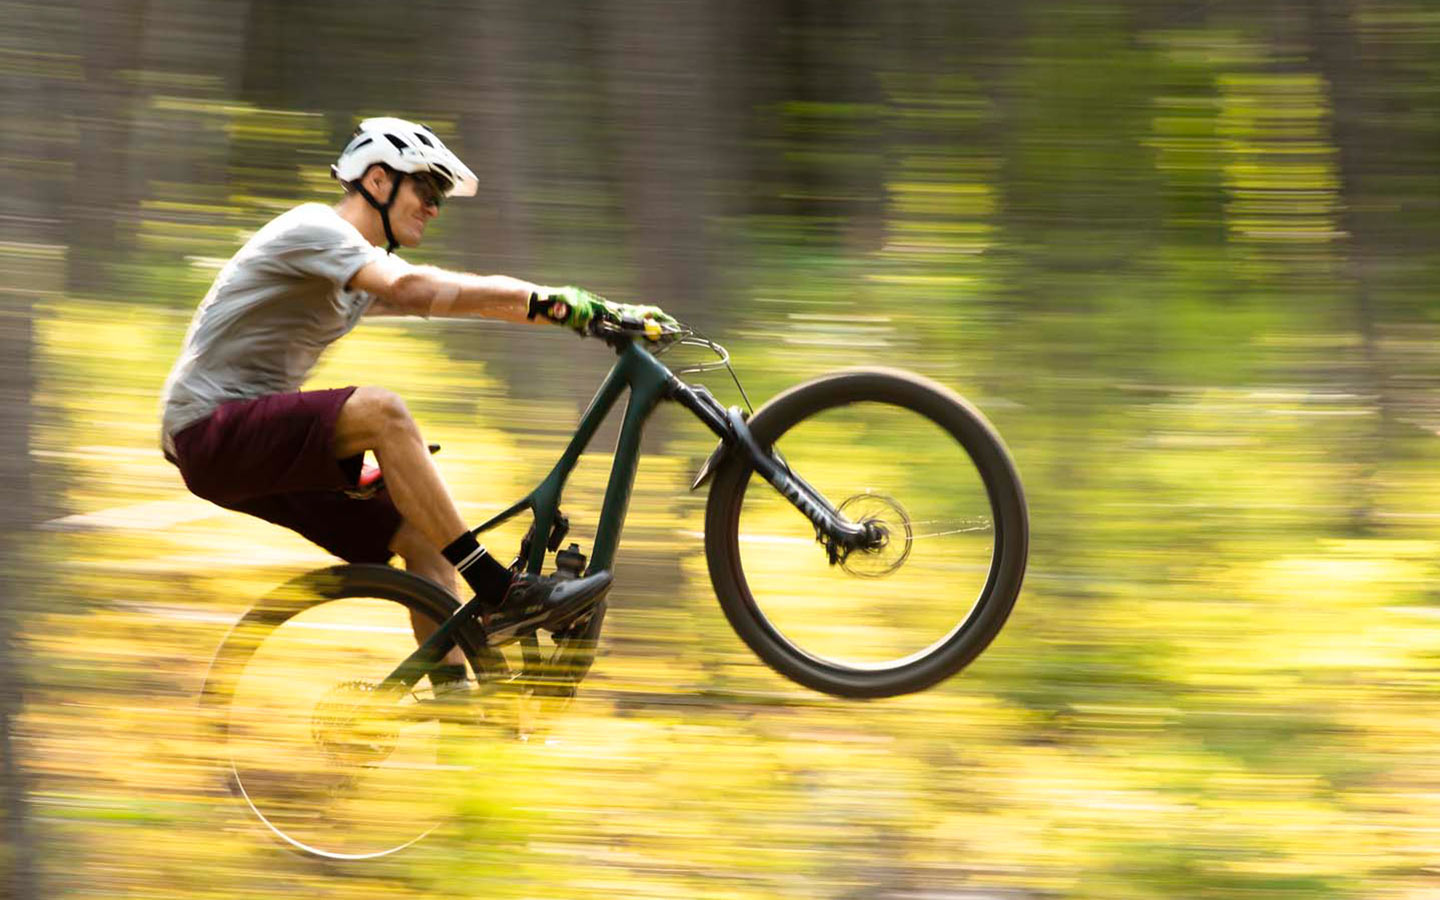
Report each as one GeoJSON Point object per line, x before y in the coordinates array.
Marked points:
{"type": "Point", "coordinates": [351, 727]}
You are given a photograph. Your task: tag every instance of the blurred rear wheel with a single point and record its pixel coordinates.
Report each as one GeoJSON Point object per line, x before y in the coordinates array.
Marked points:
{"type": "Point", "coordinates": [326, 762]}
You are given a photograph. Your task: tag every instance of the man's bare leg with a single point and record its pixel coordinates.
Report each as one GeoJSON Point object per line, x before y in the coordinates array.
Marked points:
{"type": "Point", "coordinates": [375, 419]}
{"type": "Point", "coordinates": [422, 558]}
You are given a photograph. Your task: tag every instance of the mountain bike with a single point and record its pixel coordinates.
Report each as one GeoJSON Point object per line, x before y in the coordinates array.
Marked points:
{"type": "Point", "coordinates": [866, 535]}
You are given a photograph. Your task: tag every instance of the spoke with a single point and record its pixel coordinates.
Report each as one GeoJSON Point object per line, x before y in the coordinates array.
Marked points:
{"type": "Point", "coordinates": [805, 541]}
{"type": "Point", "coordinates": [971, 530]}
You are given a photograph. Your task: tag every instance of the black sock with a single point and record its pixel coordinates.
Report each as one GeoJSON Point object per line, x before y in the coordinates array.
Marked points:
{"type": "Point", "coordinates": [481, 571]}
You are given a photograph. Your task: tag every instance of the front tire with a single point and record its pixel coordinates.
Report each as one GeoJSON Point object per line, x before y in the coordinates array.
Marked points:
{"type": "Point", "coordinates": [911, 455]}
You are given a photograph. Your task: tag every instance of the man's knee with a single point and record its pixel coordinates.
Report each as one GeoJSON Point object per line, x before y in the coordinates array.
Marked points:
{"type": "Point", "coordinates": [369, 416]}
{"type": "Point", "coordinates": [378, 406]}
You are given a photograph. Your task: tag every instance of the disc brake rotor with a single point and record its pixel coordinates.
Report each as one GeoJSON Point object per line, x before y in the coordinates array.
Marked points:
{"type": "Point", "coordinates": [885, 514]}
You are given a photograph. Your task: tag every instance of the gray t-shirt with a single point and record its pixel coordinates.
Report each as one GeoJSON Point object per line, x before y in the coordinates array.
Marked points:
{"type": "Point", "coordinates": [272, 310]}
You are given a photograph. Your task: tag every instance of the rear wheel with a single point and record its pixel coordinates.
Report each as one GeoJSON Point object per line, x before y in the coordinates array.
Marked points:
{"type": "Point", "coordinates": [931, 475]}
{"type": "Point", "coordinates": [327, 763]}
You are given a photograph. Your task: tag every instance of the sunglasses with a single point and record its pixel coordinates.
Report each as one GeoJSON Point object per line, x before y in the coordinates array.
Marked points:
{"type": "Point", "coordinates": [430, 193]}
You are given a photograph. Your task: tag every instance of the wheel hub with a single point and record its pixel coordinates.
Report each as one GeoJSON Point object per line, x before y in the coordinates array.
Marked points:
{"type": "Point", "coordinates": [887, 525]}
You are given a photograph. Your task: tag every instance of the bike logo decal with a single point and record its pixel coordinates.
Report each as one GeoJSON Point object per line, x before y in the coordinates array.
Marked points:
{"type": "Point", "coordinates": [791, 491]}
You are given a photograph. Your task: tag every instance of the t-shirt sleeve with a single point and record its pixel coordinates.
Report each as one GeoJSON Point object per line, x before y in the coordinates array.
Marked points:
{"type": "Point", "coordinates": [323, 246]}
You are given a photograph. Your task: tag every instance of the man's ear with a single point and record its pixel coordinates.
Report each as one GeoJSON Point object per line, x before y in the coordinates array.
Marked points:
{"type": "Point", "coordinates": [376, 180]}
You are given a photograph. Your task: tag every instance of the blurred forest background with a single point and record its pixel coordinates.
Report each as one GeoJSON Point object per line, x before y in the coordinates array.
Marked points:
{"type": "Point", "coordinates": [1181, 253]}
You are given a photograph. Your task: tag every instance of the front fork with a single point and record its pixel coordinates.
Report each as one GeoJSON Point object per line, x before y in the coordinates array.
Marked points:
{"type": "Point", "coordinates": [838, 534]}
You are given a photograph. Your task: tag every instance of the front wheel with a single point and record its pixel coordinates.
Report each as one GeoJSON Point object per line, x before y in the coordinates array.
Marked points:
{"type": "Point", "coordinates": [931, 475]}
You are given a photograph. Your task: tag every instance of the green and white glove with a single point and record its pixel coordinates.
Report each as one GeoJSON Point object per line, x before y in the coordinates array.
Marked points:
{"type": "Point", "coordinates": [576, 308]}
{"type": "Point", "coordinates": [570, 306]}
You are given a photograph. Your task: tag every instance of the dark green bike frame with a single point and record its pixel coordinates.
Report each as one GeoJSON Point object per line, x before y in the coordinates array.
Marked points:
{"type": "Point", "coordinates": [649, 382]}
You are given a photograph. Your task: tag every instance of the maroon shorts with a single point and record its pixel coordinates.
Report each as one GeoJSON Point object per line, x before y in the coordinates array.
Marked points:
{"type": "Point", "coordinates": [273, 457]}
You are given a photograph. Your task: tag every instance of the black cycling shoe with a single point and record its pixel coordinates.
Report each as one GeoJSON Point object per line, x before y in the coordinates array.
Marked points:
{"type": "Point", "coordinates": [543, 602]}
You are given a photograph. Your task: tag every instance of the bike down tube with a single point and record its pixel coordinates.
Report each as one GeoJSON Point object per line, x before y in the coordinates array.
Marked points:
{"type": "Point", "coordinates": [647, 380]}
{"type": "Point", "coordinates": [732, 429]}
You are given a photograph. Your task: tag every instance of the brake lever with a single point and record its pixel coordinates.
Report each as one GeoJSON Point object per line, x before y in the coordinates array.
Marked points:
{"type": "Point", "coordinates": [651, 329]}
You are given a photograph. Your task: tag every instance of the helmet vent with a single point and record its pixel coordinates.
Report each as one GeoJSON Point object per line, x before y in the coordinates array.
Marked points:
{"type": "Point", "coordinates": [360, 143]}
{"type": "Point", "coordinates": [420, 136]}
{"type": "Point", "coordinates": [399, 144]}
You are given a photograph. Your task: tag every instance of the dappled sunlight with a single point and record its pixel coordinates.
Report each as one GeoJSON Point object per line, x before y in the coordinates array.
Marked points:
{"type": "Point", "coordinates": [1181, 256]}
{"type": "Point", "coordinates": [1185, 704]}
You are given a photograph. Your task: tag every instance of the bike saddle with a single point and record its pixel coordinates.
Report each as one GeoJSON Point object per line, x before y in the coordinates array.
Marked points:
{"type": "Point", "coordinates": [372, 479]}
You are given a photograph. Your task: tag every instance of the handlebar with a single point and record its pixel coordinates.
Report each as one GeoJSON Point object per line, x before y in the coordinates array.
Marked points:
{"type": "Point", "coordinates": [659, 338]}
{"type": "Point", "coordinates": [622, 330]}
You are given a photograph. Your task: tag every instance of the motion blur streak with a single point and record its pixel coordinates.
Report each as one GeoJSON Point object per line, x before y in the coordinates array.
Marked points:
{"type": "Point", "coordinates": [1182, 254]}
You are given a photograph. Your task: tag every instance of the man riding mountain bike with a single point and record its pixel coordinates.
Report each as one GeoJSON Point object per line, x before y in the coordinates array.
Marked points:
{"type": "Point", "coordinates": [244, 435]}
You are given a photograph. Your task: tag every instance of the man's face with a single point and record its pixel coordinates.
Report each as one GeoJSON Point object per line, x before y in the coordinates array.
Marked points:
{"type": "Point", "coordinates": [417, 203]}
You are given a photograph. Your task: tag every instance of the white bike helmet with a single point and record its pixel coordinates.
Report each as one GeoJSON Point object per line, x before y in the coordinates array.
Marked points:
{"type": "Point", "coordinates": [407, 148]}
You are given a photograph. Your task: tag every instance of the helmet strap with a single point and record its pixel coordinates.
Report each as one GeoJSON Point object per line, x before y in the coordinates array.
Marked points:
{"type": "Point", "coordinates": [384, 208]}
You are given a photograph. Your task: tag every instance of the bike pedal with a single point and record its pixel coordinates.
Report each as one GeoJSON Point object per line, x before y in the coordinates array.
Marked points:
{"type": "Point", "coordinates": [571, 630]}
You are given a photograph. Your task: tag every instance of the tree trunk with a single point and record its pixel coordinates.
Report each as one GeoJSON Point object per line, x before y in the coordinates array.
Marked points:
{"type": "Point", "coordinates": [102, 195]}
{"type": "Point", "coordinates": [658, 64]}
{"type": "Point", "coordinates": [31, 255]}
{"type": "Point", "coordinates": [16, 506]}
{"type": "Point", "coordinates": [1337, 55]}
{"type": "Point", "coordinates": [500, 139]}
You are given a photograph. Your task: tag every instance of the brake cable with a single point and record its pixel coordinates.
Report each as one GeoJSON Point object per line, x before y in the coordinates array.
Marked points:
{"type": "Point", "coordinates": [695, 338]}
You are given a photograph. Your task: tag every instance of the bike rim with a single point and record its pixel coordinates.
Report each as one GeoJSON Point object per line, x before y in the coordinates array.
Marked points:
{"type": "Point", "coordinates": [280, 834]}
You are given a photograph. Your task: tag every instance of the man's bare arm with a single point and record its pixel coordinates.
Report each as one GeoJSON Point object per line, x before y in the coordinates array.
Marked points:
{"type": "Point", "coordinates": [407, 290]}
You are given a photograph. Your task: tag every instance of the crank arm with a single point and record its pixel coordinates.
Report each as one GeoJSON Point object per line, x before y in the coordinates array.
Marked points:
{"type": "Point", "coordinates": [460, 628]}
